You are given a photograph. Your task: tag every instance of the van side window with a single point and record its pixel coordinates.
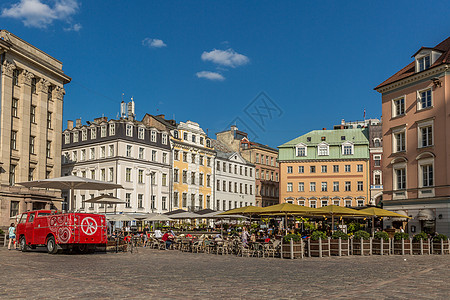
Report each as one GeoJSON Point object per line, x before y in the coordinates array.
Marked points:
{"type": "Point", "coordinates": [41, 214]}
{"type": "Point", "coordinates": [23, 219]}
{"type": "Point", "coordinates": [31, 218]}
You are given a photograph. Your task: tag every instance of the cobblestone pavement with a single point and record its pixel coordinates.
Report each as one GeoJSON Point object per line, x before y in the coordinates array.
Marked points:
{"type": "Point", "coordinates": [156, 274]}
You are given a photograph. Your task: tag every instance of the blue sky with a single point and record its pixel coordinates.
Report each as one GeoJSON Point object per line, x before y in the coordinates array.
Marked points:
{"type": "Point", "coordinates": [206, 61]}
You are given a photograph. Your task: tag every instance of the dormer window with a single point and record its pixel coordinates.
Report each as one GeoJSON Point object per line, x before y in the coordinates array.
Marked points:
{"type": "Point", "coordinates": [301, 150]}
{"type": "Point", "coordinates": [84, 134]}
{"type": "Point", "coordinates": [323, 149]}
{"type": "Point", "coordinates": [347, 148]}
{"type": "Point", "coordinates": [423, 63]}
{"type": "Point", "coordinates": [425, 58]}
{"type": "Point", "coordinates": [308, 139]}
{"type": "Point", "coordinates": [93, 133]}
{"type": "Point", "coordinates": [175, 134]}
{"type": "Point", "coordinates": [129, 130]}
{"type": "Point", "coordinates": [153, 136]}
{"type": "Point", "coordinates": [141, 133]}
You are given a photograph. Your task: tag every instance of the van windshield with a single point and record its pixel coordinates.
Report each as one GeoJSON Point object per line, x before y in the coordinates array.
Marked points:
{"type": "Point", "coordinates": [41, 214]}
{"type": "Point", "coordinates": [23, 219]}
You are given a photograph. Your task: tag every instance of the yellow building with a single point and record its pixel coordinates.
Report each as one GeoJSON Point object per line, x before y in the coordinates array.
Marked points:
{"type": "Point", "coordinates": [325, 167]}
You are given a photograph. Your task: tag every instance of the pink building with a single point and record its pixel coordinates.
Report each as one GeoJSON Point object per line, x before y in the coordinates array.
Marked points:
{"type": "Point", "coordinates": [416, 141]}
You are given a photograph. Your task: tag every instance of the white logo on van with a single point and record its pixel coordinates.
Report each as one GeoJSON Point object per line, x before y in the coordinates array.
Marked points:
{"type": "Point", "coordinates": [89, 226]}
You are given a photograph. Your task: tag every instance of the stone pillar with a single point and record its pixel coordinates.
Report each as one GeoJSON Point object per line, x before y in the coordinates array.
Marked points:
{"type": "Point", "coordinates": [23, 135]}
{"type": "Point", "coordinates": [41, 136]}
{"type": "Point", "coordinates": [58, 96]}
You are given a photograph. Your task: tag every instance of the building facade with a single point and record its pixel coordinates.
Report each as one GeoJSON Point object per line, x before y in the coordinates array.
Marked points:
{"type": "Point", "coordinates": [123, 151]}
{"type": "Point", "coordinates": [416, 141]}
{"type": "Point", "coordinates": [265, 160]}
{"type": "Point", "coordinates": [234, 179]}
{"type": "Point", "coordinates": [193, 167]}
{"type": "Point", "coordinates": [31, 95]}
{"type": "Point", "coordinates": [325, 167]}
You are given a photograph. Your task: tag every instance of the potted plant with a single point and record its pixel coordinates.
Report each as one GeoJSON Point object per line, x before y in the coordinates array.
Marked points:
{"type": "Point", "coordinates": [361, 243]}
{"type": "Point", "coordinates": [380, 243]}
{"type": "Point", "coordinates": [420, 243]}
{"type": "Point", "coordinates": [318, 244]}
{"type": "Point", "coordinates": [286, 247]}
{"type": "Point", "coordinates": [339, 243]}
{"type": "Point", "coordinates": [402, 243]}
{"type": "Point", "coordinates": [441, 244]}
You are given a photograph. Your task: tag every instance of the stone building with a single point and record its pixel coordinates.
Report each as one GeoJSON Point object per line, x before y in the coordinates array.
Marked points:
{"type": "Point", "coordinates": [234, 179]}
{"type": "Point", "coordinates": [416, 141]}
{"type": "Point", "coordinates": [123, 151]}
{"type": "Point", "coordinates": [31, 94]}
{"type": "Point", "coordinates": [263, 157]}
{"type": "Point", "coordinates": [325, 167]}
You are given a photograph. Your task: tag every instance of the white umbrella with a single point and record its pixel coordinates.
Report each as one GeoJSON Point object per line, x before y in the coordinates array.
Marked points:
{"type": "Point", "coordinates": [105, 199]}
{"type": "Point", "coordinates": [72, 183]}
{"type": "Point", "coordinates": [157, 217]}
{"type": "Point", "coordinates": [186, 215]}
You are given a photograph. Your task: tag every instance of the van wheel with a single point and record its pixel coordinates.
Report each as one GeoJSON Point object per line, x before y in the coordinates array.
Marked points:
{"type": "Point", "coordinates": [23, 244]}
{"type": "Point", "coordinates": [51, 245]}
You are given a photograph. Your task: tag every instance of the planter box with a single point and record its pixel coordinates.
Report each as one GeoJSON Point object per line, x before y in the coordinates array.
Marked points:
{"type": "Point", "coordinates": [402, 247]}
{"type": "Point", "coordinates": [361, 247]}
{"type": "Point", "coordinates": [442, 247]}
{"type": "Point", "coordinates": [298, 250]}
{"type": "Point", "coordinates": [422, 247]}
{"type": "Point", "coordinates": [381, 247]}
{"type": "Point", "coordinates": [319, 248]}
{"type": "Point", "coordinates": [340, 247]}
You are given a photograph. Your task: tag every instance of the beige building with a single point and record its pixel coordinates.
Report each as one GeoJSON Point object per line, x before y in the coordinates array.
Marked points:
{"type": "Point", "coordinates": [31, 93]}
{"type": "Point", "coordinates": [416, 141]}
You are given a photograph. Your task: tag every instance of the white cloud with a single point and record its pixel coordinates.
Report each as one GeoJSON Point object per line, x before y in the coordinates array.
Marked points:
{"type": "Point", "coordinates": [74, 27]}
{"type": "Point", "coordinates": [210, 75]}
{"type": "Point", "coordinates": [228, 58]}
{"type": "Point", "coordinates": [153, 43]}
{"type": "Point", "coordinates": [40, 13]}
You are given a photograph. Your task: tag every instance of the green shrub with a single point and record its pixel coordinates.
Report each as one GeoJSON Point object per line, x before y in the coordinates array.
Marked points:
{"type": "Point", "coordinates": [361, 234]}
{"type": "Point", "coordinates": [381, 235]}
{"type": "Point", "coordinates": [339, 234]}
{"type": "Point", "coordinates": [2, 232]}
{"type": "Point", "coordinates": [398, 236]}
{"type": "Point", "coordinates": [295, 237]}
{"type": "Point", "coordinates": [439, 237]}
{"type": "Point", "coordinates": [420, 236]}
{"type": "Point", "coordinates": [316, 235]}
{"type": "Point", "coordinates": [353, 227]}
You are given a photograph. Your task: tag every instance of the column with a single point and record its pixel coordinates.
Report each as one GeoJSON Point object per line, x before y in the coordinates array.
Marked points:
{"type": "Point", "coordinates": [5, 118]}
{"type": "Point", "coordinates": [23, 134]}
{"type": "Point", "coordinates": [41, 136]}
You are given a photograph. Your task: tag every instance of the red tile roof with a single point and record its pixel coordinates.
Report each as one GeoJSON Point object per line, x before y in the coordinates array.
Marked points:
{"type": "Point", "coordinates": [409, 70]}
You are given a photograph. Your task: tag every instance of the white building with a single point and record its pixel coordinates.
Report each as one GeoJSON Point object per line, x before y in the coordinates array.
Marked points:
{"type": "Point", "coordinates": [234, 179]}
{"type": "Point", "coordinates": [121, 151]}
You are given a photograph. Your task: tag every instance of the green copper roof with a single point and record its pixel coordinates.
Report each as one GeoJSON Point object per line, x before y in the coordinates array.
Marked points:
{"type": "Point", "coordinates": [333, 138]}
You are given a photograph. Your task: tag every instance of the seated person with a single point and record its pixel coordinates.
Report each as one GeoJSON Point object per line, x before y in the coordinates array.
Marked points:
{"type": "Point", "coordinates": [158, 234]}
{"type": "Point", "coordinates": [168, 239]}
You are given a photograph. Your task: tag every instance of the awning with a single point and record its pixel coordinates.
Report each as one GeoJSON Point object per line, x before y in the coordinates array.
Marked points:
{"type": "Point", "coordinates": [426, 215]}
{"type": "Point", "coordinates": [401, 212]}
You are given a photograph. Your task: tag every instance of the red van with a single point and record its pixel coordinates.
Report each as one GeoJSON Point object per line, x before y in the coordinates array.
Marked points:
{"type": "Point", "coordinates": [79, 231]}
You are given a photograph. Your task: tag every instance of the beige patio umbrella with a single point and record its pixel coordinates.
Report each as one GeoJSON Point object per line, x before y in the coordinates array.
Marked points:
{"type": "Point", "coordinates": [285, 209]}
{"type": "Point", "coordinates": [335, 210]}
{"type": "Point", "coordinates": [72, 183]}
{"type": "Point", "coordinates": [379, 212]}
{"type": "Point", "coordinates": [105, 199]}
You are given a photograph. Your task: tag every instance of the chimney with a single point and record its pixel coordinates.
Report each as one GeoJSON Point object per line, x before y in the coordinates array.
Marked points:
{"type": "Point", "coordinates": [233, 128]}
{"type": "Point", "coordinates": [78, 122]}
{"type": "Point", "coordinates": [123, 110]}
{"type": "Point", "coordinates": [69, 124]}
{"type": "Point", "coordinates": [324, 128]}
{"type": "Point", "coordinates": [101, 119]}
{"type": "Point", "coordinates": [131, 114]}
{"type": "Point", "coordinates": [162, 116]}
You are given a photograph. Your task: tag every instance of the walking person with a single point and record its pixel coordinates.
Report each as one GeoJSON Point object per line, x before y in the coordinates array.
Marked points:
{"type": "Point", "coordinates": [145, 233]}
{"type": "Point", "coordinates": [12, 236]}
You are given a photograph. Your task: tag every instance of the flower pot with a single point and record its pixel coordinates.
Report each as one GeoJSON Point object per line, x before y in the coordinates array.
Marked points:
{"type": "Point", "coordinates": [319, 248]}
{"type": "Point", "coordinates": [297, 250]}
{"type": "Point", "coordinates": [421, 247]}
{"type": "Point", "coordinates": [442, 247]}
{"type": "Point", "coordinates": [342, 249]}
{"type": "Point", "coordinates": [402, 247]}
{"type": "Point", "coordinates": [380, 247]}
{"type": "Point", "coordinates": [361, 247]}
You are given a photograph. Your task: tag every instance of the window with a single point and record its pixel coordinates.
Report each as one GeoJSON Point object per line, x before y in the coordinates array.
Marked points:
{"type": "Point", "coordinates": [377, 179]}
{"type": "Point", "coordinates": [360, 186]}
{"type": "Point", "coordinates": [185, 136]}
{"type": "Point", "coordinates": [312, 203]}
{"type": "Point", "coordinates": [348, 203]}
{"type": "Point", "coordinates": [194, 137]}
{"type": "Point", "coordinates": [112, 129]}
{"type": "Point", "coordinates": [192, 177]}
{"type": "Point", "coordinates": [289, 186]}
{"type": "Point", "coordinates": [14, 140]}
{"type": "Point", "coordinates": [348, 186]}
{"type": "Point", "coordinates": [208, 201]}
{"type": "Point", "coordinates": [324, 186]}
{"type": "Point", "coordinates": [153, 202]}
{"type": "Point", "coordinates": [323, 149]}
{"type": "Point", "coordinates": [301, 186]}
{"type": "Point", "coordinates": [347, 149]}
{"type": "Point", "coordinates": [154, 158]}
{"type": "Point", "coordinates": [271, 161]}
{"type": "Point", "coordinates": [176, 175]}
{"type": "Point", "coordinates": [312, 186]}
{"type": "Point", "coordinates": [49, 92]}
{"type": "Point", "coordinates": [15, 78]}
{"type": "Point", "coordinates": [235, 187]}
{"type": "Point", "coordinates": [423, 63]}
{"type": "Point", "coordinates": [164, 203]}
{"type": "Point", "coordinates": [75, 137]}
{"type": "Point", "coordinates": [289, 169]}
{"type": "Point", "coordinates": [176, 154]}
{"type": "Point", "coordinates": [84, 134]}
{"type": "Point", "coordinates": [141, 153]}
{"type": "Point", "coordinates": [323, 138]}
{"type": "Point", "coordinates": [208, 180]}
{"type": "Point", "coordinates": [92, 153]}
{"type": "Point", "coordinates": [257, 158]}
{"type": "Point", "coordinates": [164, 158]}
{"type": "Point", "coordinates": [251, 172]}
{"type": "Point", "coordinates": [399, 142]}
{"type": "Point", "coordinates": [83, 154]}
{"type": "Point", "coordinates": [30, 174]}
{"type": "Point", "coordinates": [33, 85]}
{"type": "Point", "coordinates": [302, 151]}
{"type": "Point", "coordinates": [424, 99]}
{"type": "Point", "coordinates": [324, 203]}
{"type": "Point", "coordinates": [301, 169]}
{"type": "Point", "coordinates": [240, 188]}
{"type": "Point", "coordinates": [229, 168]}
{"type": "Point", "coordinates": [103, 174]}
{"type": "Point", "coordinates": [12, 174]}
{"type": "Point", "coordinates": [153, 136]}
{"type": "Point", "coordinates": [336, 202]}
{"type": "Point", "coordinates": [312, 169]}
{"type": "Point", "coordinates": [111, 150]}
{"type": "Point", "coordinates": [376, 143]}
{"type": "Point", "coordinates": [49, 149]}
{"type": "Point", "coordinates": [359, 168]}
{"type": "Point", "coordinates": [230, 187]}
{"type": "Point", "coordinates": [103, 131]}
{"type": "Point", "coordinates": [398, 107]}
{"type": "Point", "coordinates": [49, 120]}
{"type": "Point", "coordinates": [262, 174]}
{"type": "Point", "coordinates": [111, 174]}
{"type": "Point", "coordinates": [347, 168]}
{"type": "Point", "coordinates": [141, 133]}
{"type": "Point", "coordinates": [360, 203]}
{"type": "Point", "coordinates": [14, 208]}
{"type": "Point", "coordinates": [184, 200]}
{"type": "Point", "coordinates": [324, 169]}
{"type": "Point", "coordinates": [240, 170]}
{"type": "Point", "coordinates": [93, 174]}
{"type": "Point", "coordinates": [193, 158]}
{"type": "Point", "coordinates": [425, 135]}
{"type": "Point", "coordinates": [200, 160]}
{"type": "Point", "coordinates": [208, 143]}
{"type": "Point", "coordinates": [235, 169]}
{"type": "Point", "coordinates": [175, 134]}
{"type": "Point", "coordinates": [201, 140]}
{"type": "Point", "coordinates": [200, 179]}
{"type": "Point", "coordinates": [184, 156]}
{"type": "Point", "coordinates": [128, 174]}
{"type": "Point", "coordinates": [83, 174]}
{"type": "Point", "coordinates": [140, 201]}
{"type": "Point", "coordinates": [184, 178]}
{"type": "Point", "coordinates": [224, 186]}
{"type": "Point", "coordinates": [33, 114]}
{"type": "Point", "coordinates": [377, 160]}
{"type": "Point", "coordinates": [208, 161]}
{"type": "Point", "coordinates": [164, 180]}
{"type": "Point", "coordinates": [140, 176]}
{"type": "Point", "coordinates": [336, 168]}
{"type": "Point", "coordinates": [93, 133]}
{"type": "Point", "coordinates": [175, 199]}
{"type": "Point", "coordinates": [129, 149]}
{"type": "Point", "coordinates": [335, 186]}
{"type": "Point", "coordinates": [74, 156]}
{"type": "Point", "coordinates": [15, 107]}
{"type": "Point", "coordinates": [251, 190]}
{"type": "Point", "coordinates": [427, 175]}
{"type": "Point", "coordinates": [129, 130]}
{"type": "Point", "coordinates": [128, 200]}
